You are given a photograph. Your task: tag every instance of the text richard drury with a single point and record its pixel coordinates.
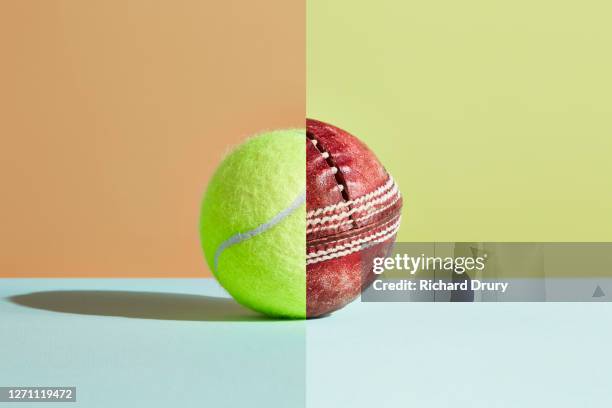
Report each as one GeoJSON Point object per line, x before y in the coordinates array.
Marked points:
{"type": "Point", "coordinates": [439, 285]}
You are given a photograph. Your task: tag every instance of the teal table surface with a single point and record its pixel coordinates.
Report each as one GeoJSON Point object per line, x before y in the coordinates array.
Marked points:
{"type": "Point", "coordinates": [185, 343]}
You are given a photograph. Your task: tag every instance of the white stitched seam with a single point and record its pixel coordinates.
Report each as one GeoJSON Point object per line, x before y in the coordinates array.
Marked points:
{"type": "Point", "coordinates": [328, 227]}
{"type": "Point", "coordinates": [351, 250]}
{"type": "Point", "coordinates": [326, 155]}
{"type": "Point", "coordinates": [366, 238]}
{"type": "Point", "coordinates": [379, 210]}
{"type": "Point", "coordinates": [380, 190]}
{"type": "Point", "coordinates": [363, 207]}
{"type": "Point", "coordinates": [344, 253]}
{"type": "Point", "coordinates": [346, 222]}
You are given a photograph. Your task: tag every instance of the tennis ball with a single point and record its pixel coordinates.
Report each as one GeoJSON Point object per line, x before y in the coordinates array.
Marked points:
{"type": "Point", "coordinates": [253, 223]}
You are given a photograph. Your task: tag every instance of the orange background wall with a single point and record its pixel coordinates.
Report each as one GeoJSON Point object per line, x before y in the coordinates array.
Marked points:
{"type": "Point", "coordinates": [113, 114]}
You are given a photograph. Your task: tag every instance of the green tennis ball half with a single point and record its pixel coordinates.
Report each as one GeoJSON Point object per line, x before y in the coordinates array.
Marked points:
{"type": "Point", "coordinates": [253, 223]}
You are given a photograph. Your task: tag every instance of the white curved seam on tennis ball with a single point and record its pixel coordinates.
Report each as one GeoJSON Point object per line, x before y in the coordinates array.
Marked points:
{"type": "Point", "coordinates": [243, 236]}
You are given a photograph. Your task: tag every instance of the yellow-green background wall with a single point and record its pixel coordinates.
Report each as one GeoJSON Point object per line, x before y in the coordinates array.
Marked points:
{"type": "Point", "coordinates": [494, 116]}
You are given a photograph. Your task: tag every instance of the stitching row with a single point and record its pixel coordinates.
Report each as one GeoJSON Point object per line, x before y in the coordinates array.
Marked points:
{"type": "Point", "coordinates": [341, 183]}
{"type": "Point", "coordinates": [331, 208]}
{"type": "Point", "coordinates": [353, 246]}
{"type": "Point", "coordinates": [357, 209]}
{"type": "Point", "coordinates": [333, 247]}
{"type": "Point", "coordinates": [346, 222]}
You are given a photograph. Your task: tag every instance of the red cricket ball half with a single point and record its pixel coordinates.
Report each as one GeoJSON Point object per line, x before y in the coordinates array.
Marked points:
{"type": "Point", "coordinates": [353, 214]}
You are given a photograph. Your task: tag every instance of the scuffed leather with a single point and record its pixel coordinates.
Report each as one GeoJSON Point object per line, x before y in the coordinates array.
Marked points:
{"type": "Point", "coordinates": [333, 283]}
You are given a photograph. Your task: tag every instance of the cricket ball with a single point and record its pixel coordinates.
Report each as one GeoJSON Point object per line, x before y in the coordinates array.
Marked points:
{"type": "Point", "coordinates": [353, 214]}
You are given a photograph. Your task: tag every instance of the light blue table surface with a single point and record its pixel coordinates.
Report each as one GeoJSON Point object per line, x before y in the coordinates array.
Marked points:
{"type": "Point", "coordinates": [183, 343]}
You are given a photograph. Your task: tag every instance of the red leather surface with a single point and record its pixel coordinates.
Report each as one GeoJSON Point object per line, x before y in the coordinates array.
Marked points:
{"type": "Point", "coordinates": [333, 284]}
{"type": "Point", "coordinates": [321, 185]}
{"type": "Point", "coordinates": [355, 202]}
{"type": "Point", "coordinates": [360, 168]}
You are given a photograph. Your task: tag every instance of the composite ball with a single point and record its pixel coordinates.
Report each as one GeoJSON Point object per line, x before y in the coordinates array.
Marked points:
{"type": "Point", "coordinates": [292, 220]}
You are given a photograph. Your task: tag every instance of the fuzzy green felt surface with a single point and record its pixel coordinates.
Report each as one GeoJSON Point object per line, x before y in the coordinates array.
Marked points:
{"type": "Point", "coordinates": [255, 183]}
